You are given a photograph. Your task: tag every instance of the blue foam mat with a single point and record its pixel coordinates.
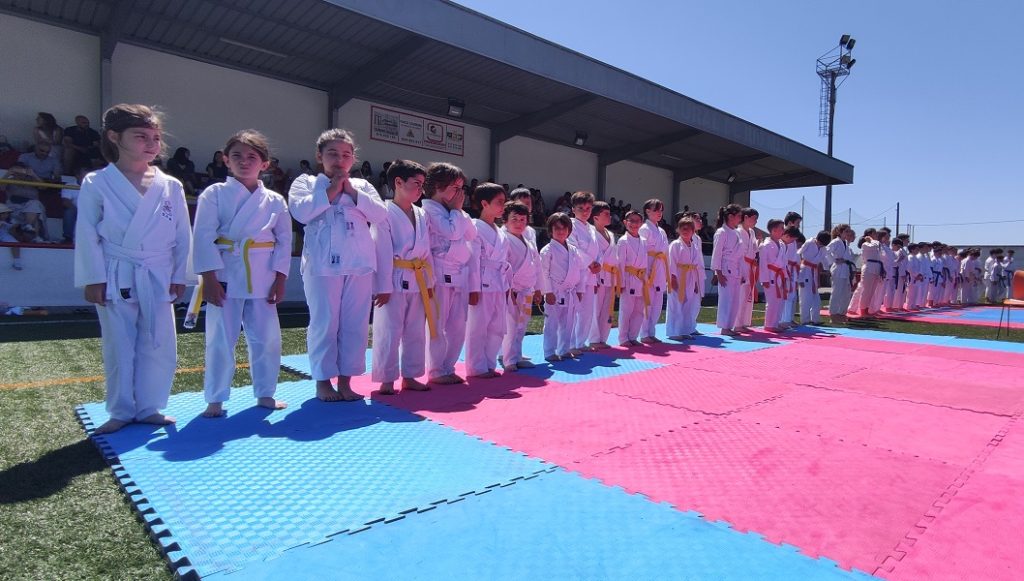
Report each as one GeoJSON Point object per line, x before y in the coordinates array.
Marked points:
{"type": "Point", "coordinates": [222, 492]}
{"type": "Point", "coordinates": [557, 525]}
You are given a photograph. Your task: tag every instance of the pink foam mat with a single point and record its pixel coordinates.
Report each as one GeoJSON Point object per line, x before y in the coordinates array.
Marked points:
{"type": "Point", "coordinates": [823, 354]}
{"type": "Point", "coordinates": [758, 365]}
{"type": "Point", "coordinates": [565, 424]}
{"type": "Point", "coordinates": [846, 501]}
{"type": "Point", "coordinates": [932, 432]}
{"type": "Point", "coordinates": [691, 389]}
{"type": "Point", "coordinates": [975, 355]}
{"type": "Point", "coordinates": [952, 392]}
{"type": "Point", "coordinates": [875, 345]}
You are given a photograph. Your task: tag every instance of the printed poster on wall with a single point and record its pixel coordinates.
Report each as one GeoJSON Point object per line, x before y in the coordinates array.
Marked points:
{"type": "Point", "coordinates": [416, 131]}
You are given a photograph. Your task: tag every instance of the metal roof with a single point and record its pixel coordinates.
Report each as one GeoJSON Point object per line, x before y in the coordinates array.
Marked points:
{"type": "Point", "coordinates": [418, 54]}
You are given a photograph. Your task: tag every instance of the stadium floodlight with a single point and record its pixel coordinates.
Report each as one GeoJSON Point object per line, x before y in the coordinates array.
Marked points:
{"type": "Point", "coordinates": [581, 138]}
{"type": "Point", "coordinates": [833, 67]}
{"type": "Point", "coordinates": [844, 39]}
{"type": "Point", "coordinates": [849, 45]}
{"type": "Point", "coordinates": [850, 64]}
{"type": "Point", "coordinates": [456, 107]}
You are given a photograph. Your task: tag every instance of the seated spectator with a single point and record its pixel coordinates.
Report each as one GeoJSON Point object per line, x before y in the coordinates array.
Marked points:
{"type": "Point", "coordinates": [23, 200]}
{"type": "Point", "coordinates": [8, 153]}
{"type": "Point", "coordinates": [44, 166]}
{"type": "Point", "coordinates": [217, 170]}
{"type": "Point", "coordinates": [366, 171]}
{"type": "Point", "coordinates": [305, 169]}
{"type": "Point", "coordinates": [181, 167]}
{"type": "Point", "coordinates": [69, 197]}
{"type": "Point", "coordinates": [564, 203]}
{"type": "Point", "coordinates": [12, 233]}
{"type": "Point", "coordinates": [47, 131]}
{"type": "Point", "coordinates": [382, 182]}
{"type": "Point", "coordinates": [81, 146]}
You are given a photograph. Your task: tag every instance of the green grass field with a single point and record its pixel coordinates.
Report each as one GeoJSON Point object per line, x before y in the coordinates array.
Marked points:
{"type": "Point", "coordinates": [61, 513]}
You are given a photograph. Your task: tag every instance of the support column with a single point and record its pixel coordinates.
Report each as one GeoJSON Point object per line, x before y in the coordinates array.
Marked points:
{"type": "Point", "coordinates": [493, 162]}
{"type": "Point", "coordinates": [106, 85]}
{"type": "Point", "coordinates": [602, 179]}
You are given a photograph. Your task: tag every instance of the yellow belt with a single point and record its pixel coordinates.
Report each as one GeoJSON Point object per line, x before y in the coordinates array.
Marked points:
{"type": "Point", "coordinates": [664, 260]}
{"type": "Point", "coordinates": [641, 273]}
{"type": "Point", "coordinates": [683, 269]}
{"type": "Point", "coordinates": [616, 285]}
{"type": "Point", "coordinates": [246, 247]}
{"type": "Point", "coordinates": [523, 306]}
{"type": "Point", "coordinates": [418, 265]}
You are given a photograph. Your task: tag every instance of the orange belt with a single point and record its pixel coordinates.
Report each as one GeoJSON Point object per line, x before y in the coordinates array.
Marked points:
{"type": "Point", "coordinates": [754, 271]}
{"type": "Point", "coordinates": [780, 281]}
{"type": "Point", "coordinates": [814, 277]}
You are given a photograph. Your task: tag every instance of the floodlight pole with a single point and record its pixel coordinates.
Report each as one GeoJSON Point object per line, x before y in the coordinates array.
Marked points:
{"type": "Point", "coordinates": [831, 125]}
{"type": "Point", "coordinates": [833, 67]}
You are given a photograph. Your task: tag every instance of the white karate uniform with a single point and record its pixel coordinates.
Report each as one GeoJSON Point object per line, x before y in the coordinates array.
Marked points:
{"type": "Point", "coordinates": [727, 255]}
{"type": "Point", "coordinates": [632, 256]}
{"type": "Point", "coordinates": [488, 275]}
{"type": "Point", "coordinates": [451, 243]}
{"type": "Point", "coordinates": [993, 276]}
{"type": "Point", "coordinates": [748, 288]}
{"type": "Point", "coordinates": [584, 237]}
{"type": "Point", "coordinates": [772, 275]}
{"type": "Point", "coordinates": [871, 271]}
{"type": "Point", "coordinates": [338, 262]}
{"type": "Point", "coordinates": [896, 284]}
{"type": "Point", "coordinates": [561, 273]}
{"type": "Point", "coordinates": [229, 219]}
{"type": "Point", "coordinates": [840, 256]}
{"type": "Point", "coordinates": [812, 255]}
{"type": "Point", "coordinates": [792, 273]}
{"type": "Point", "coordinates": [686, 262]}
{"type": "Point", "coordinates": [1007, 277]}
{"type": "Point", "coordinates": [657, 273]}
{"type": "Point", "coordinates": [608, 279]}
{"type": "Point", "coordinates": [922, 278]}
{"type": "Point", "coordinates": [878, 297]}
{"type": "Point", "coordinates": [951, 268]}
{"type": "Point", "coordinates": [935, 285]}
{"type": "Point", "coordinates": [524, 259]}
{"type": "Point", "coordinates": [138, 245]}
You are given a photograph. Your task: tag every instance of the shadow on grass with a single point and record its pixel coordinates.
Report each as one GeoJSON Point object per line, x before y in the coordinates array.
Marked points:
{"type": "Point", "coordinates": [50, 473]}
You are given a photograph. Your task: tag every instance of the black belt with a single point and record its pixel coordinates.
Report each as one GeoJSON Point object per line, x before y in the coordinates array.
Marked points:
{"type": "Point", "coordinates": [881, 266]}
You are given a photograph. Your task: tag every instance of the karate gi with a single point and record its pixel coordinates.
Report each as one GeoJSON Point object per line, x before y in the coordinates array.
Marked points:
{"type": "Point", "coordinates": [138, 245]}
{"type": "Point", "coordinates": [895, 287]}
{"type": "Point", "coordinates": [812, 256]}
{"type": "Point", "coordinates": [872, 274]}
{"type": "Point", "coordinates": [727, 256]}
{"type": "Point", "coordinates": [451, 244]}
{"type": "Point", "coordinates": [792, 273]}
{"type": "Point", "coordinates": [840, 257]}
{"type": "Point", "coordinates": [245, 238]}
{"type": "Point", "coordinates": [561, 273]}
{"type": "Point", "coordinates": [635, 299]}
{"type": "Point", "coordinates": [993, 279]}
{"type": "Point", "coordinates": [609, 285]}
{"type": "Point", "coordinates": [772, 273]}
{"type": "Point", "coordinates": [878, 297]}
{"type": "Point", "coordinates": [523, 274]}
{"type": "Point", "coordinates": [338, 262]}
{"type": "Point", "coordinates": [748, 274]}
{"type": "Point", "coordinates": [686, 263]}
{"type": "Point", "coordinates": [488, 275]}
{"type": "Point", "coordinates": [953, 282]}
{"type": "Point", "coordinates": [936, 279]}
{"type": "Point", "coordinates": [584, 237]}
{"type": "Point", "coordinates": [658, 282]}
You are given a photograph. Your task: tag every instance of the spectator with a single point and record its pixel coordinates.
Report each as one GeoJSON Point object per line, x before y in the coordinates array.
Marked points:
{"type": "Point", "coordinates": [217, 170]}
{"type": "Point", "coordinates": [47, 131]}
{"type": "Point", "coordinates": [23, 201]}
{"type": "Point", "coordinates": [366, 171]}
{"type": "Point", "coordinates": [382, 183]}
{"type": "Point", "coordinates": [181, 167]}
{"type": "Point", "coordinates": [44, 166]}
{"type": "Point", "coordinates": [69, 197]}
{"type": "Point", "coordinates": [11, 232]}
{"type": "Point", "coordinates": [564, 203]}
{"type": "Point", "coordinates": [305, 169]}
{"type": "Point", "coordinates": [279, 178]}
{"type": "Point", "coordinates": [81, 145]}
{"type": "Point", "coordinates": [8, 153]}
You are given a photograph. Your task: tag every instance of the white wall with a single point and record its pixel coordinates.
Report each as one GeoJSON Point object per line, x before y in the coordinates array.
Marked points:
{"type": "Point", "coordinates": [46, 68]}
{"type": "Point", "coordinates": [554, 169]}
{"type": "Point", "coordinates": [355, 116]}
{"type": "Point", "coordinates": [635, 183]}
{"type": "Point", "coordinates": [206, 104]}
{"type": "Point", "coordinates": [703, 196]}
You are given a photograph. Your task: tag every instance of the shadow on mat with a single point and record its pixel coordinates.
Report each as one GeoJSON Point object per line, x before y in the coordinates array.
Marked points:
{"type": "Point", "coordinates": [50, 473]}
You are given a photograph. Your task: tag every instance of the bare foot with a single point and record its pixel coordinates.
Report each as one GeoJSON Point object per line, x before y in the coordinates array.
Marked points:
{"type": "Point", "coordinates": [109, 427]}
{"type": "Point", "coordinates": [525, 364]}
{"type": "Point", "coordinates": [728, 333]}
{"type": "Point", "coordinates": [599, 345]}
{"type": "Point", "coordinates": [325, 391]}
{"type": "Point", "coordinates": [411, 384]}
{"type": "Point", "coordinates": [489, 374]}
{"type": "Point", "coordinates": [676, 337]}
{"type": "Point", "coordinates": [574, 353]}
{"type": "Point", "coordinates": [634, 343]}
{"type": "Point", "coordinates": [346, 393]}
{"type": "Point", "coordinates": [387, 388]}
{"type": "Point", "coordinates": [214, 410]}
{"type": "Point", "coordinates": [157, 419]}
{"type": "Point", "coordinates": [271, 403]}
{"type": "Point", "coordinates": [553, 358]}
{"type": "Point", "coordinates": [510, 368]}
{"type": "Point", "coordinates": [444, 380]}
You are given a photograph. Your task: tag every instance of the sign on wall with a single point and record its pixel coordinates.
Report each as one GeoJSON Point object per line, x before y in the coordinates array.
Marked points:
{"type": "Point", "coordinates": [416, 131]}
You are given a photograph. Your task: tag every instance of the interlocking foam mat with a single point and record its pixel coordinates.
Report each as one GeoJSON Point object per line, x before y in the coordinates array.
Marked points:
{"type": "Point", "coordinates": [978, 315]}
{"type": "Point", "coordinates": [814, 455]}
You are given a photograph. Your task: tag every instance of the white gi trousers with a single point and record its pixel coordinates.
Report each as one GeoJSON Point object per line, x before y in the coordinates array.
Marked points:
{"type": "Point", "coordinates": [262, 338]}
{"type": "Point", "coordinates": [339, 323]}
{"type": "Point", "coordinates": [841, 295]}
{"type": "Point", "coordinates": [559, 324]}
{"type": "Point", "coordinates": [650, 322]}
{"type": "Point", "coordinates": [517, 315]}
{"type": "Point", "coordinates": [602, 320]}
{"type": "Point", "coordinates": [583, 319]}
{"type": "Point", "coordinates": [399, 338]}
{"type": "Point", "coordinates": [810, 303]}
{"type": "Point", "coordinates": [681, 317]}
{"type": "Point", "coordinates": [443, 351]}
{"type": "Point", "coordinates": [485, 329]}
{"type": "Point", "coordinates": [730, 298]}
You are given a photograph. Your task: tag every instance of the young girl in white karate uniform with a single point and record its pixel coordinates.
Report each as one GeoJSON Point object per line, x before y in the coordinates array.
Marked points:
{"type": "Point", "coordinates": [132, 242]}
{"type": "Point", "coordinates": [749, 285]}
{"type": "Point", "coordinates": [524, 262]}
{"type": "Point", "coordinates": [338, 263]}
{"type": "Point", "coordinates": [584, 238]}
{"type": "Point", "coordinates": [243, 251]}
{"type": "Point", "coordinates": [658, 275]}
{"type": "Point", "coordinates": [686, 262]}
{"type": "Point", "coordinates": [609, 278]}
{"type": "Point", "coordinates": [561, 283]}
{"type": "Point", "coordinates": [727, 262]}
{"type": "Point", "coordinates": [772, 275]}
{"type": "Point", "coordinates": [635, 299]}
{"type": "Point", "coordinates": [488, 285]}
{"type": "Point", "coordinates": [812, 259]}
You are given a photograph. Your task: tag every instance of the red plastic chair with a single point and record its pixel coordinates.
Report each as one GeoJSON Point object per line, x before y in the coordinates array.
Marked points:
{"type": "Point", "coordinates": [1015, 300]}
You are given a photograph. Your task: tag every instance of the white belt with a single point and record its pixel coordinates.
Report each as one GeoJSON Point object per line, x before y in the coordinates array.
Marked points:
{"type": "Point", "coordinates": [144, 279]}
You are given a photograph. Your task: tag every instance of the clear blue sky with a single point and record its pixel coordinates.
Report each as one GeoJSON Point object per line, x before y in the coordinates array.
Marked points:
{"type": "Point", "coordinates": [930, 116]}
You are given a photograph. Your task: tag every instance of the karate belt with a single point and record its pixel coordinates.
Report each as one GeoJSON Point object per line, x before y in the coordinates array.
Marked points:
{"type": "Point", "coordinates": [144, 279]}
{"type": "Point", "coordinates": [881, 267]}
{"type": "Point", "coordinates": [683, 270]}
{"type": "Point", "coordinates": [780, 281]}
{"type": "Point", "coordinates": [641, 275]}
{"type": "Point", "coordinates": [896, 278]}
{"type": "Point", "coordinates": [935, 277]}
{"type": "Point", "coordinates": [814, 275]}
{"type": "Point", "coordinates": [418, 266]}
{"type": "Point", "coordinates": [754, 275]}
{"type": "Point", "coordinates": [946, 276]}
{"type": "Point", "coordinates": [196, 301]}
{"type": "Point", "coordinates": [794, 271]}
{"type": "Point", "coordinates": [523, 305]}
{"type": "Point", "coordinates": [663, 257]}
{"type": "Point", "coordinates": [616, 285]}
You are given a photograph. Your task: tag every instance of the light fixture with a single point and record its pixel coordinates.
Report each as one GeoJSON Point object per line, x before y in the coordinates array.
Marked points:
{"type": "Point", "coordinates": [845, 59]}
{"type": "Point", "coordinates": [456, 107]}
{"type": "Point", "coordinates": [849, 45]}
{"type": "Point", "coordinates": [253, 47]}
{"type": "Point", "coordinates": [581, 138]}
{"type": "Point", "coordinates": [731, 178]}
{"type": "Point", "coordinates": [850, 64]}
{"type": "Point", "coordinates": [844, 39]}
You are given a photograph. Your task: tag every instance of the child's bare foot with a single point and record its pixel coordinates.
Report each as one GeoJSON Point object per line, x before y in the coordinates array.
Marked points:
{"type": "Point", "coordinates": [552, 358]}
{"type": "Point", "coordinates": [489, 374]}
{"type": "Point", "coordinates": [510, 368]}
{"type": "Point", "coordinates": [411, 384]}
{"type": "Point", "coordinates": [573, 353]}
{"type": "Point", "coordinates": [676, 337]}
{"type": "Point", "coordinates": [728, 333]}
{"type": "Point", "coordinates": [347, 394]}
{"type": "Point", "coordinates": [458, 378]}
{"type": "Point", "coordinates": [525, 364]}
{"type": "Point", "coordinates": [387, 388]}
{"type": "Point", "coordinates": [157, 419]}
{"type": "Point", "coordinates": [214, 410]}
{"type": "Point", "coordinates": [325, 391]}
{"type": "Point", "coordinates": [109, 427]}
{"type": "Point", "coordinates": [271, 403]}
{"type": "Point", "coordinates": [444, 380]}
{"type": "Point", "coordinates": [649, 340]}
{"type": "Point", "coordinates": [599, 345]}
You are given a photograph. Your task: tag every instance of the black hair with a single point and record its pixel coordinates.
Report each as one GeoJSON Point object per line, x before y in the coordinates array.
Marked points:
{"type": "Point", "coordinates": [793, 232]}
{"type": "Point", "coordinates": [487, 191]}
{"type": "Point", "coordinates": [514, 207]}
{"type": "Point", "coordinates": [792, 217]}
{"type": "Point", "coordinates": [404, 169]}
{"type": "Point", "coordinates": [823, 237]}
{"type": "Point", "coordinates": [558, 218]}
{"type": "Point", "coordinates": [774, 223]}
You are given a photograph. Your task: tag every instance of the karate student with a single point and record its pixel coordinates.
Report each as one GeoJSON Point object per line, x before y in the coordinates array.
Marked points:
{"type": "Point", "coordinates": [1009, 267]}
{"type": "Point", "coordinates": [888, 259]}
{"type": "Point", "coordinates": [937, 277]}
{"type": "Point", "coordinates": [451, 244]}
{"type": "Point", "coordinates": [792, 220]}
{"type": "Point", "coordinates": [488, 285]}
{"type": "Point", "coordinates": [609, 278]}
{"type": "Point", "coordinates": [561, 282]}
{"type": "Point", "coordinates": [977, 276]}
{"type": "Point", "coordinates": [841, 259]}
{"type": "Point", "coordinates": [727, 257]}
{"type": "Point", "coordinates": [584, 238]}
{"type": "Point", "coordinates": [132, 242]}
{"type": "Point", "coordinates": [686, 262]}
{"type": "Point", "coordinates": [748, 276]}
{"type": "Point", "coordinates": [658, 275]}
{"type": "Point", "coordinates": [525, 197]}
{"type": "Point", "coordinates": [403, 284]}
{"type": "Point", "coordinates": [524, 260]}
{"type": "Point", "coordinates": [872, 271]}
{"type": "Point", "coordinates": [993, 274]}
{"type": "Point", "coordinates": [243, 252]}
{"type": "Point", "coordinates": [772, 274]}
{"type": "Point", "coordinates": [895, 287]}
{"type": "Point", "coordinates": [812, 259]}
{"type": "Point", "coordinates": [338, 263]}
{"type": "Point", "coordinates": [635, 300]}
